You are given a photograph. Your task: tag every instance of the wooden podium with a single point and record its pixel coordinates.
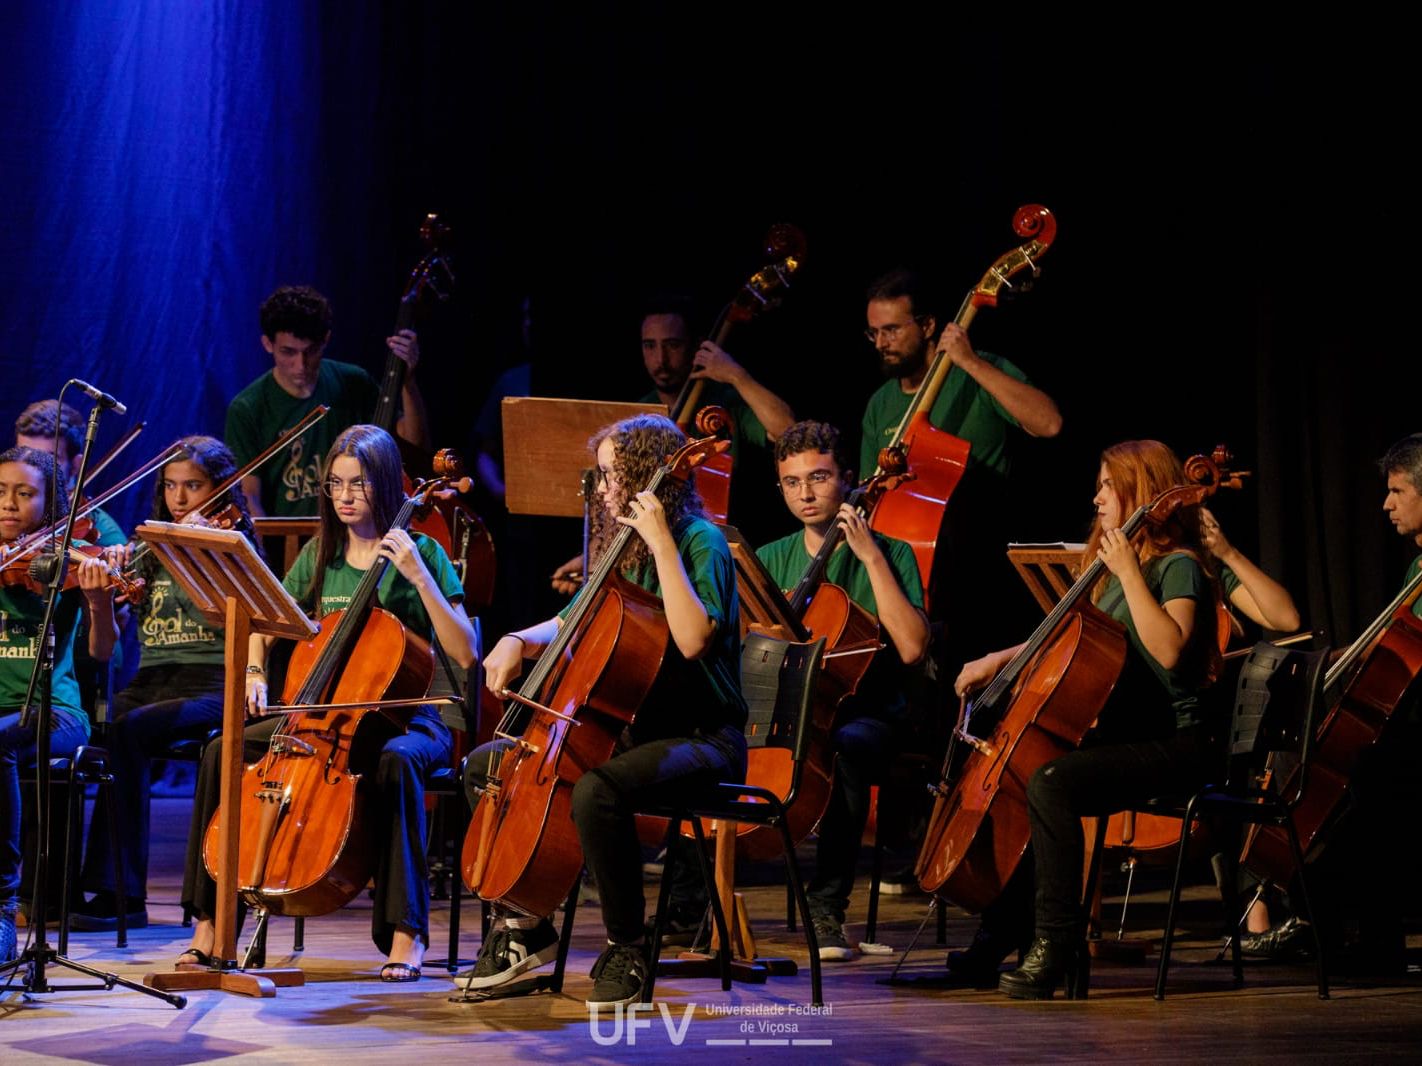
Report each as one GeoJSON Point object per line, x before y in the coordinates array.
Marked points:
{"type": "Point", "coordinates": [231, 587]}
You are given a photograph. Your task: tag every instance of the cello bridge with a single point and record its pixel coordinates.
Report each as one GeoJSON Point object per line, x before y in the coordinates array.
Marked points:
{"type": "Point", "coordinates": [287, 745]}
{"type": "Point", "coordinates": [982, 747]}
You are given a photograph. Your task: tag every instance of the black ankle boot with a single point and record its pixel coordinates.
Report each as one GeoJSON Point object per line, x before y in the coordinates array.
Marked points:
{"type": "Point", "coordinates": [1047, 964]}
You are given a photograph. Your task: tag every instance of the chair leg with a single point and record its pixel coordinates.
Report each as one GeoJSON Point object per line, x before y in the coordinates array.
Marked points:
{"type": "Point", "coordinates": [789, 907]}
{"type": "Point", "coordinates": [71, 815]}
{"type": "Point", "coordinates": [298, 936]}
{"type": "Point", "coordinates": [871, 925]}
{"type": "Point", "coordinates": [120, 893]}
{"type": "Point", "coordinates": [942, 930]}
{"type": "Point", "coordinates": [1307, 905]}
{"type": "Point", "coordinates": [1169, 936]}
{"type": "Point", "coordinates": [659, 919]}
{"type": "Point", "coordinates": [792, 870]}
{"type": "Point", "coordinates": [723, 956]}
{"type": "Point", "coordinates": [565, 936]}
{"type": "Point", "coordinates": [257, 949]}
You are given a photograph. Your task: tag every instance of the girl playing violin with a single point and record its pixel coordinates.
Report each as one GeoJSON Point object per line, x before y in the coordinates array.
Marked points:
{"type": "Point", "coordinates": [688, 733]}
{"type": "Point", "coordinates": [177, 692]}
{"type": "Point", "coordinates": [27, 504]}
{"type": "Point", "coordinates": [1156, 732]}
{"type": "Point", "coordinates": [362, 492]}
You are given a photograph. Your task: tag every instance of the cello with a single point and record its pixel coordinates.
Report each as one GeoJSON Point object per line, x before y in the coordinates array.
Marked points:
{"type": "Point", "coordinates": [305, 849]}
{"type": "Point", "coordinates": [938, 458]}
{"type": "Point", "coordinates": [763, 291]}
{"type": "Point", "coordinates": [444, 518]}
{"type": "Point", "coordinates": [1041, 703]}
{"type": "Point", "coordinates": [1361, 692]}
{"type": "Point", "coordinates": [522, 849]}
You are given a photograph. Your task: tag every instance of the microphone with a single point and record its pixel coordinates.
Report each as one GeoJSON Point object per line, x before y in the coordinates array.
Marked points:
{"type": "Point", "coordinates": [103, 399]}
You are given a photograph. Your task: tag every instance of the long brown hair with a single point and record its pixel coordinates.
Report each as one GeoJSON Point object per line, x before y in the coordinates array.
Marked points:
{"type": "Point", "coordinates": [215, 460]}
{"type": "Point", "coordinates": [1140, 470]}
{"type": "Point", "coordinates": [379, 459]}
{"type": "Point", "coordinates": [640, 445]}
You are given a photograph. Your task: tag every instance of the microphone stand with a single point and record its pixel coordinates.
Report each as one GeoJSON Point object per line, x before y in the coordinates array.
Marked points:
{"type": "Point", "coordinates": [40, 955]}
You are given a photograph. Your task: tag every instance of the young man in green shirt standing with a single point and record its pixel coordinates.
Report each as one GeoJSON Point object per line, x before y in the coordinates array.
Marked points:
{"type": "Point", "coordinates": [296, 326]}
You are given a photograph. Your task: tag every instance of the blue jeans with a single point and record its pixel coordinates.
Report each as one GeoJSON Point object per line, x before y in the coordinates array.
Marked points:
{"type": "Point", "coordinates": [17, 748]}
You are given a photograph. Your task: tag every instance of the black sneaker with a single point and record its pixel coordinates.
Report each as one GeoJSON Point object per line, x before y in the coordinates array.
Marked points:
{"type": "Point", "coordinates": [618, 976]}
{"type": "Point", "coordinates": [829, 932]}
{"type": "Point", "coordinates": [506, 953]}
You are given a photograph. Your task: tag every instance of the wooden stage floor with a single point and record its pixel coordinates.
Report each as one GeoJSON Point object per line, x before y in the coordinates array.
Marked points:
{"type": "Point", "coordinates": [344, 1014]}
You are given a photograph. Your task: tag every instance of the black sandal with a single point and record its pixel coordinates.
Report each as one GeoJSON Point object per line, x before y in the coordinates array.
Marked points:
{"type": "Point", "coordinates": [399, 973]}
{"type": "Point", "coordinates": [201, 960]}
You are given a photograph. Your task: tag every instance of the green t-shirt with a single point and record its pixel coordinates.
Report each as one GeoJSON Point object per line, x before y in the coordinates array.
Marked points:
{"type": "Point", "coordinates": [705, 693]}
{"type": "Point", "coordinates": [1411, 573]}
{"type": "Point", "coordinates": [172, 632]}
{"type": "Point", "coordinates": [107, 532]}
{"type": "Point", "coordinates": [263, 411]}
{"type": "Point", "coordinates": [880, 691]}
{"type": "Point", "coordinates": [21, 612]}
{"type": "Point", "coordinates": [1146, 691]}
{"type": "Point", "coordinates": [395, 594]}
{"type": "Point", "coordinates": [963, 408]}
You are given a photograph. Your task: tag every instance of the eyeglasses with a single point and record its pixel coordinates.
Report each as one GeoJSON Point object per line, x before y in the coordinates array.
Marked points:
{"type": "Point", "coordinates": [605, 477]}
{"type": "Point", "coordinates": [814, 480]}
{"type": "Point", "coordinates": [335, 487]}
{"type": "Point", "coordinates": [889, 332]}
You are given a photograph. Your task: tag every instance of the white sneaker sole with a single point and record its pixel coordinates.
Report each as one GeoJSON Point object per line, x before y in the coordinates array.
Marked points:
{"type": "Point", "coordinates": [503, 977]}
{"type": "Point", "coordinates": [837, 954]}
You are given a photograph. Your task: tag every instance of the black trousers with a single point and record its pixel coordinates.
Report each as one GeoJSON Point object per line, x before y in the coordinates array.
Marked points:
{"type": "Point", "coordinates": [162, 705]}
{"type": "Point", "coordinates": [865, 748]}
{"type": "Point", "coordinates": [661, 772]}
{"type": "Point", "coordinates": [402, 890]}
{"type": "Point", "coordinates": [1093, 782]}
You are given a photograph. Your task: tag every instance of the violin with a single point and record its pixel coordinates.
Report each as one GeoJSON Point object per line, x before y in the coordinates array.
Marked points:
{"type": "Point", "coordinates": [218, 510]}
{"type": "Point", "coordinates": [937, 457]}
{"type": "Point", "coordinates": [1041, 704]}
{"type": "Point", "coordinates": [18, 572]}
{"type": "Point", "coordinates": [522, 849]}
{"type": "Point", "coordinates": [763, 291]}
{"type": "Point", "coordinates": [305, 849]}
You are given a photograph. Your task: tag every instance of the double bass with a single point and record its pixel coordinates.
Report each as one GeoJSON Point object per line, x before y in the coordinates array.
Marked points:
{"type": "Point", "coordinates": [1041, 704]}
{"type": "Point", "coordinates": [763, 291]}
{"type": "Point", "coordinates": [936, 458]}
{"type": "Point", "coordinates": [522, 849]}
{"type": "Point", "coordinates": [444, 518]}
{"type": "Point", "coordinates": [305, 848]}
{"type": "Point", "coordinates": [1361, 692]}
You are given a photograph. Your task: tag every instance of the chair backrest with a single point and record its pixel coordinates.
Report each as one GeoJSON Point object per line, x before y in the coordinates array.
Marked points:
{"type": "Point", "coordinates": [778, 682]}
{"type": "Point", "coordinates": [1276, 705]}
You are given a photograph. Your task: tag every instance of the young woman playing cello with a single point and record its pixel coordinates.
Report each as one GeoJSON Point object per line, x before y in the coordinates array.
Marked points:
{"type": "Point", "coordinates": [361, 490]}
{"type": "Point", "coordinates": [1156, 733]}
{"type": "Point", "coordinates": [176, 694]}
{"type": "Point", "coordinates": [26, 504]}
{"type": "Point", "coordinates": [688, 732]}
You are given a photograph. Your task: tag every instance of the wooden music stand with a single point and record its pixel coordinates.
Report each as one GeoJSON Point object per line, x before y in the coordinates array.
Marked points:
{"type": "Point", "coordinates": [292, 531]}
{"type": "Point", "coordinates": [763, 605]}
{"type": "Point", "coordinates": [1047, 570]}
{"type": "Point", "coordinates": [231, 587]}
{"type": "Point", "coordinates": [546, 449]}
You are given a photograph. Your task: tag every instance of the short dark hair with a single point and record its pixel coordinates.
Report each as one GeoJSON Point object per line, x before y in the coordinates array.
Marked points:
{"type": "Point", "coordinates": [904, 282]}
{"type": "Point", "coordinates": [39, 420]}
{"type": "Point", "coordinates": [56, 503]}
{"type": "Point", "coordinates": [672, 303]}
{"type": "Point", "coordinates": [299, 310]}
{"type": "Point", "coordinates": [1404, 457]}
{"type": "Point", "coordinates": [811, 436]}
